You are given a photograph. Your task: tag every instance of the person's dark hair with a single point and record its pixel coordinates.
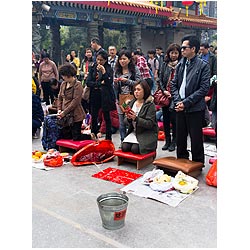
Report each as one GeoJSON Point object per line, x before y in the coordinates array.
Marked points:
{"type": "Point", "coordinates": [53, 82]}
{"type": "Point", "coordinates": [44, 55]}
{"type": "Point", "coordinates": [136, 52]}
{"type": "Point", "coordinates": [205, 45]}
{"type": "Point", "coordinates": [95, 40]}
{"type": "Point", "coordinates": [151, 51]}
{"type": "Point", "coordinates": [104, 55]}
{"type": "Point", "coordinates": [131, 65]}
{"type": "Point", "coordinates": [150, 83]}
{"type": "Point", "coordinates": [145, 87]}
{"type": "Point", "coordinates": [171, 47]}
{"type": "Point", "coordinates": [124, 48]}
{"type": "Point", "coordinates": [67, 70]}
{"type": "Point", "coordinates": [158, 47]}
{"type": "Point", "coordinates": [193, 42]}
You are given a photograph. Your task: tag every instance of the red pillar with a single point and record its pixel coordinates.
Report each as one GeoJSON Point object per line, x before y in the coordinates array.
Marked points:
{"type": "Point", "coordinates": [169, 4]}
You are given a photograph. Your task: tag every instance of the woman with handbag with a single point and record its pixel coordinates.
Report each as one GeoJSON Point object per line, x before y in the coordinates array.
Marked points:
{"type": "Point", "coordinates": [142, 135]}
{"type": "Point", "coordinates": [173, 56]}
{"type": "Point", "coordinates": [86, 64]}
{"type": "Point", "coordinates": [126, 74]}
{"type": "Point", "coordinates": [102, 95]}
{"type": "Point", "coordinates": [69, 109]}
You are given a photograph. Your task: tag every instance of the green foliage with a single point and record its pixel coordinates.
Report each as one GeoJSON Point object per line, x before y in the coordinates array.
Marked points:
{"type": "Point", "coordinates": [114, 37]}
{"type": "Point", "coordinates": [213, 40]}
{"type": "Point", "coordinates": [75, 38]}
{"type": "Point", "coordinates": [45, 37]}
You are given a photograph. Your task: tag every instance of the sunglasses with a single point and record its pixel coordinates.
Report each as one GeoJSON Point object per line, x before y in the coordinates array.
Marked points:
{"type": "Point", "coordinates": [185, 47]}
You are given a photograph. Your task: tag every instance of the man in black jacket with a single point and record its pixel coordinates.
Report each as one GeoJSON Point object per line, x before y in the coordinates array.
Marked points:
{"type": "Point", "coordinates": [189, 88]}
{"type": "Point", "coordinates": [209, 57]}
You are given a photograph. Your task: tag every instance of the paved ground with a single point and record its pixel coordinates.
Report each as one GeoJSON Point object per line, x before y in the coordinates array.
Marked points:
{"type": "Point", "coordinates": [65, 212]}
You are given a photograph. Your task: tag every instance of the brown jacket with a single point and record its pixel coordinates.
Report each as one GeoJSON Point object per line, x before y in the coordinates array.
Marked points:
{"type": "Point", "coordinates": [67, 104]}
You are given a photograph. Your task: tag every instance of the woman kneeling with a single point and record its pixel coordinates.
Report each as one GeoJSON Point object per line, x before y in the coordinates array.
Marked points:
{"type": "Point", "coordinates": [142, 132]}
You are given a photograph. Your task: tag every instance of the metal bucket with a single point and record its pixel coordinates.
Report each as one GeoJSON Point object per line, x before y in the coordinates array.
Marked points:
{"type": "Point", "coordinates": [112, 208]}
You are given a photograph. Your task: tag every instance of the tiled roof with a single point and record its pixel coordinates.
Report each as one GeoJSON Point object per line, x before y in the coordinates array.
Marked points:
{"type": "Point", "coordinates": [142, 8]}
{"type": "Point", "coordinates": [143, 4]}
{"type": "Point", "coordinates": [193, 18]}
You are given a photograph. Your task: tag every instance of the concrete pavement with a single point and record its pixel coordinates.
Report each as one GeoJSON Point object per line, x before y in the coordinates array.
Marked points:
{"type": "Point", "coordinates": [65, 211]}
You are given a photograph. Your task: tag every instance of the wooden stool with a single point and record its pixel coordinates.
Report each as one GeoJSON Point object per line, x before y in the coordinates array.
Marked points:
{"type": "Point", "coordinates": [173, 165]}
{"type": "Point", "coordinates": [140, 160]}
{"type": "Point", "coordinates": [66, 144]}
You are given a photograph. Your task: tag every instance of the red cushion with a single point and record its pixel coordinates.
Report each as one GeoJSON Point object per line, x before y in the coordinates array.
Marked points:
{"type": "Point", "coordinates": [136, 157]}
{"type": "Point", "coordinates": [209, 132]}
{"type": "Point", "coordinates": [69, 143]}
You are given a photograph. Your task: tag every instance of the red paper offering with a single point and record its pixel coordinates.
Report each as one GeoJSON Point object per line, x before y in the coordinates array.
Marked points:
{"type": "Point", "coordinates": [117, 175]}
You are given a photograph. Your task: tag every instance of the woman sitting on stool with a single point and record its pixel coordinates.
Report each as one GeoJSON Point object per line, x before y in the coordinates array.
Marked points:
{"type": "Point", "coordinates": [142, 132]}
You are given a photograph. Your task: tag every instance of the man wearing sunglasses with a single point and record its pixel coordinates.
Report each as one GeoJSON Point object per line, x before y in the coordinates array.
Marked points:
{"type": "Point", "coordinates": [188, 88]}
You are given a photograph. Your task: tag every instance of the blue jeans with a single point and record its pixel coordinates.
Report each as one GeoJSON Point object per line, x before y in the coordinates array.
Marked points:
{"type": "Point", "coordinates": [35, 125]}
{"type": "Point", "coordinates": [122, 126]}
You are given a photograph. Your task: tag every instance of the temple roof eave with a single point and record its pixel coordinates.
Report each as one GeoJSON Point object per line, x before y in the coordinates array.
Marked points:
{"type": "Point", "coordinates": [144, 9]}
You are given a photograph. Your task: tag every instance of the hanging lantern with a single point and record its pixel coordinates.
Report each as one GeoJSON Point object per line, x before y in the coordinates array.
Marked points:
{"type": "Point", "coordinates": [187, 4]}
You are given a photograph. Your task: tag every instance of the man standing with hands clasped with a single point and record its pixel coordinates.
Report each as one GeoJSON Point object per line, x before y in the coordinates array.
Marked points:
{"type": "Point", "coordinates": [188, 88]}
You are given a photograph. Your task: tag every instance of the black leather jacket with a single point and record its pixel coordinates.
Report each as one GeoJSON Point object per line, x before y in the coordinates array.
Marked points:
{"type": "Point", "coordinates": [212, 63]}
{"type": "Point", "coordinates": [197, 84]}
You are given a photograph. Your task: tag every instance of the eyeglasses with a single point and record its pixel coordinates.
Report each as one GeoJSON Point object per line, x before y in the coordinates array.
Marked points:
{"type": "Point", "coordinates": [184, 47]}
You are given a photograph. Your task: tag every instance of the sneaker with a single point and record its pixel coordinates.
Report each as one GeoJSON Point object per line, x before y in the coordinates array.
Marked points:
{"type": "Point", "coordinates": [172, 147]}
{"type": "Point", "coordinates": [35, 135]}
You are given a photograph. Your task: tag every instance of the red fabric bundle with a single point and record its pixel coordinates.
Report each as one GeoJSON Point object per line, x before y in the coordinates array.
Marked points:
{"type": "Point", "coordinates": [96, 152]}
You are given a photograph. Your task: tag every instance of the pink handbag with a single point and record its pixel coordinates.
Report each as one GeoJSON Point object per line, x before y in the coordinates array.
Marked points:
{"type": "Point", "coordinates": [160, 98]}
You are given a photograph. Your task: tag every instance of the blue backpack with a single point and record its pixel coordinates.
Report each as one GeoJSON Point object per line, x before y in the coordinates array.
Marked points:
{"type": "Point", "coordinates": [51, 132]}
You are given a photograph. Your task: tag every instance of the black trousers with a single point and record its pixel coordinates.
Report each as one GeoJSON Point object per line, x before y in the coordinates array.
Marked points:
{"type": "Point", "coordinates": [47, 93]}
{"type": "Point", "coordinates": [74, 133]}
{"type": "Point", "coordinates": [169, 117]}
{"type": "Point", "coordinates": [95, 108]}
{"type": "Point", "coordinates": [190, 123]}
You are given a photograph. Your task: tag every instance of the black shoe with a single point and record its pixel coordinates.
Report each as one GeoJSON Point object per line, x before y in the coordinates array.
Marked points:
{"type": "Point", "coordinates": [172, 147]}
{"type": "Point", "coordinates": [166, 146]}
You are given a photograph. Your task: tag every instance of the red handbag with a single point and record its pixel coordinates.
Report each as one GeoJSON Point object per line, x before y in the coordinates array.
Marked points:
{"type": "Point", "coordinates": [211, 177]}
{"type": "Point", "coordinates": [161, 135]}
{"type": "Point", "coordinates": [160, 98]}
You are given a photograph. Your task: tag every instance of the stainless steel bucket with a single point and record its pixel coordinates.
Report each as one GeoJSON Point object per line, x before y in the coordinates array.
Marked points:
{"type": "Point", "coordinates": [112, 208]}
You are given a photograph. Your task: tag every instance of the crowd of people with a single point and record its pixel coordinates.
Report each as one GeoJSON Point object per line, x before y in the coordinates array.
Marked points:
{"type": "Point", "coordinates": [121, 86]}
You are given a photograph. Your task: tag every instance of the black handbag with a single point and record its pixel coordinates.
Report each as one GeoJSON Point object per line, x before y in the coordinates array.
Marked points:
{"type": "Point", "coordinates": [66, 121]}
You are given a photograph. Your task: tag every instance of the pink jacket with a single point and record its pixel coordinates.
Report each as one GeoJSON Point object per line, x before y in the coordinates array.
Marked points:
{"type": "Point", "coordinates": [48, 71]}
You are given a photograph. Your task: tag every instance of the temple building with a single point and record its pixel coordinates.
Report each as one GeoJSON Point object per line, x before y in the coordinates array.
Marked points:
{"type": "Point", "coordinates": [147, 24]}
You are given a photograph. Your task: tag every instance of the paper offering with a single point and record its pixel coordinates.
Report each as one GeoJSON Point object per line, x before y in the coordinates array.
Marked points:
{"type": "Point", "coordinates": [164, 192]}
